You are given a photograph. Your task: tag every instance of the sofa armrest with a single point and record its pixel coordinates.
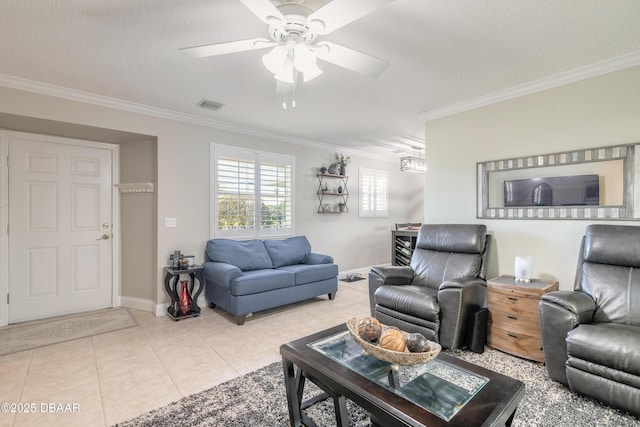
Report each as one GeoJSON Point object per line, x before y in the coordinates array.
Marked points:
{"type": "Point", "coordinates": [315, 258]}
{"type": "Point", "coordinates": [387, 275]}
{"type": "Point", "coordinates": [560, 312]}
{"type": "Point", "coordinates": [220, 273]}
{"type": "Point", "coordinates": [458, 299]}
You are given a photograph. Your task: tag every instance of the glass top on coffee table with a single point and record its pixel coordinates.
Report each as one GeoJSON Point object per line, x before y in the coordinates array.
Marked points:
{"type": "Point", "coordinates": [439, 387]}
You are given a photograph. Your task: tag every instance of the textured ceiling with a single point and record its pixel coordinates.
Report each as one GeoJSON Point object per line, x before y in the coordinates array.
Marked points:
{"type": "Point", "coordinates": [441, 53]}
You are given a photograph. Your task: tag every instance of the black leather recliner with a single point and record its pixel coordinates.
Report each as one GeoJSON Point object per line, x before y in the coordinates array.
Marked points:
{"type": "Point", "coordinates": [444, 284]}
{"type": "Point", "coordinates": [591, 335]}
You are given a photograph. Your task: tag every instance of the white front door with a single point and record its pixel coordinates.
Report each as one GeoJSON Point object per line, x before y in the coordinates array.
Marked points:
{"type": "Point", "coordinates": [60, 208]}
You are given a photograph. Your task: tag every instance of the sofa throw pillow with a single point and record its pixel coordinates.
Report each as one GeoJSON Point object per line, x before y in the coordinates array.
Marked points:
{"type": "Point", "coordinates": [247, 255]}
{"type": "Point", "coordinates": [291, 251]}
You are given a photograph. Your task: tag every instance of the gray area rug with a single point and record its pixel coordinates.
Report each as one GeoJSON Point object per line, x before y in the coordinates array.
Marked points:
{"type": "Point", "coordinates": [27, 336]}
{"type": "Point", "coordinates": [258, 399]}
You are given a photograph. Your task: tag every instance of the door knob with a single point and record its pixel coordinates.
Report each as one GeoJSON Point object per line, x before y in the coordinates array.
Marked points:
{"type": "Point", "coordinates": [104, 237]}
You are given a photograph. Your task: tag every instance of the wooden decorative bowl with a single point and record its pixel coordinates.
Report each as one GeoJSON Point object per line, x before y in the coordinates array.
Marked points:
{"type": "Point", "coordinates": [405, 358]}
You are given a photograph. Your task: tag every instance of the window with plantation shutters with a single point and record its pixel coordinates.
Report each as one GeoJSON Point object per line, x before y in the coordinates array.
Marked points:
{"type": "Point", "coordinates": [252, 193]}
{"type": "Point", "coordinates": [374, 193]}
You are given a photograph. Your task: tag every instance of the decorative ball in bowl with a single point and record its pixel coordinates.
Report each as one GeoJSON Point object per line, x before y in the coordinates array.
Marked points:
{"type": "Point", "coordinates": [390, 344]}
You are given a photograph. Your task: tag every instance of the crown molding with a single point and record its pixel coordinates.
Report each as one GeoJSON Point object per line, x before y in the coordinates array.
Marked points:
{"type": "Point", "coordinates": [572, 76]}
{"type": "Point", "coordinates": [41, 88]}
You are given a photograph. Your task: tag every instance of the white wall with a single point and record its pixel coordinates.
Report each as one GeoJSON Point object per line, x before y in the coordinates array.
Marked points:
{"type": "Point", "coordinates": [182, 188]}
{"type": "Point", "coordinates": [596, 112]}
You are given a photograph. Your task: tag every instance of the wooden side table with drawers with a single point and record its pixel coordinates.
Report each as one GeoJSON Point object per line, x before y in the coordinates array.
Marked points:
{"type": "Point", "coordinates": [514, 316]}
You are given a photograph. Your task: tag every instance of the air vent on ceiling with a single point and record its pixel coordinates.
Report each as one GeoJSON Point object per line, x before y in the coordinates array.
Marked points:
{"type": "Point", "coordinates": [210, 105]}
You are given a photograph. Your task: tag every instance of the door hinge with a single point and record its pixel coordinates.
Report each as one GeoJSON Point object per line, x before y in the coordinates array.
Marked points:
{"type": "Point", "coordinates": [7, 298]}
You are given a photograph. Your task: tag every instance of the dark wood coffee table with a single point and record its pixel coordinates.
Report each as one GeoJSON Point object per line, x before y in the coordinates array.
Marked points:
{"type": "Point", "coordinates": [443, 392]}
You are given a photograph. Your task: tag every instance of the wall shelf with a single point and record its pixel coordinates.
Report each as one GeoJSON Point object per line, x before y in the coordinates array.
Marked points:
{"type": "Point", "coordinates": [332, 190]}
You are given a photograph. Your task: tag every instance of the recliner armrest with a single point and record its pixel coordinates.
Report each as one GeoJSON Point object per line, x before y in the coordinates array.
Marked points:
{"type": "Point", "coordinates": [394, 275]}
{"type": "Point", "coordinates": [462, 283]}
{"type": "Point", "coordinates": [220, 273]}
{"type": "Point", "coordinates": [458, 299]}
{"type": "Point", "coordinates": [578, 303]}
{"type": "Point", "coordinates": [387, 275]}
{"type": "Point", "coordinates": [560, 312]}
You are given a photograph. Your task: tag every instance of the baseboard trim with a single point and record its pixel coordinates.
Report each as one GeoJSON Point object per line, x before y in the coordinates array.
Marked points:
{"type": "Point", "coordinates": [137, 303]}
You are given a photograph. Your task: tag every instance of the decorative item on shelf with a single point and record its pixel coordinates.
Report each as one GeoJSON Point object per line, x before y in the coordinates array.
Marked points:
{"type": "Point", "coordinates": [326, 207]}
{"type": "Point", "coordinates": [403, 358]}
{"type": "Point", "coordinates": [340, 189]}
{"type": "Point", "coordinates": [341, 206]}
{"type": "Point", "coordinates": [334, 168]}
{"type": "Point", "coordinates": [175, 259]}
{"type": "Point", "coordinates": [323, 170]}
{"type": "Point", "coordinates": [185, 300]}
{"type": "Point", "coordinates": [325, 188]}
{"type": "Point", "coordinates": [184, 264]}
{"type": "Point", "coordinates": [523, 268]}
{"type": "Point", "coordinates": [342, 162]}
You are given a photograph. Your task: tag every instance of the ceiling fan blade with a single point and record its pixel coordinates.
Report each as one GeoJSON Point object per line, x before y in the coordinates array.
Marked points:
{"type": "Point", "coordinates": [338, 13]}
{"type": "Point", "coordinates": [265, 10]}
{"type": "Point", "coordinates": [350, 59]}
{"type": "Point", "coordinates": [229, 47]}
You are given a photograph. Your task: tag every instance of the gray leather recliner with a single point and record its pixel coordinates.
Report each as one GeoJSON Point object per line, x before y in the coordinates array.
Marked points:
{"type": "Point", "coordinates": [591, 335]}
{"type": "Point", "coordinates": [444, 284]}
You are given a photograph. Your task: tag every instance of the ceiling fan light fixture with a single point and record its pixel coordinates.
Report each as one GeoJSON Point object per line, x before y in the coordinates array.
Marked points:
{"type": "Point", "coordinates": [311, 73]}
{"type": "Point", "coordinates": [275, 60]}
{"type": "Point", "coordinates": [303, 57]}
{"type": "Point", "coordinates": [285, 74]}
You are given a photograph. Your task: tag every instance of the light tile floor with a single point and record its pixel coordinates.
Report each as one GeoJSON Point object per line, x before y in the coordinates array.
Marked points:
{"type": "Point", "coordinates": [116, 376]}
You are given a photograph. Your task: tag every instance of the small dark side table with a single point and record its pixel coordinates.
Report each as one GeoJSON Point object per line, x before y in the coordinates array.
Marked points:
{"type": "Point", "coordinates": [171, 280]}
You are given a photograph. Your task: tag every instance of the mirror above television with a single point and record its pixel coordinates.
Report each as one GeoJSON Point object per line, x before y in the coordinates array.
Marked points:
{"type": "Point", "coordinates": [587, 184]}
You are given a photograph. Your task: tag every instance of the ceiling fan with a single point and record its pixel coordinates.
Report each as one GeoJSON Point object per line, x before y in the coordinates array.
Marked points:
{"type": "Point", "coordinates": [294, 28]}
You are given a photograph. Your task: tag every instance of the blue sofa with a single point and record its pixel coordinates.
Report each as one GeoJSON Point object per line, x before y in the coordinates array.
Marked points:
{"type": "Point", "coordinates": [246, 276]}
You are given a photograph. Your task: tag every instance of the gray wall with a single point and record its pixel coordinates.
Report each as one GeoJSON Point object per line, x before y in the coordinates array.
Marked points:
{"type": "Point", "coordinates": [138, 222]}
{"type": "Point", "coordinates": [600, 111]}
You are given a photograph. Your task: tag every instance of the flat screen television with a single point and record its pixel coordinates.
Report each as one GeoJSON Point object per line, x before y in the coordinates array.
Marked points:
{"type": "Point", "coordinates": [579, 190]}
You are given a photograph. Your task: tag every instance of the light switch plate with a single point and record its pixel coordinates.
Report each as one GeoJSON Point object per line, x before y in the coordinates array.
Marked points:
{"type": "Point", "coordinates": [170, 222]}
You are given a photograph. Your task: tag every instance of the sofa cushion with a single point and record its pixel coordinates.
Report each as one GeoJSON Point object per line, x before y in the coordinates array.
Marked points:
{"type": "Point", "coordinates": [247, 255]}
{"type": "Point", "coordinates": [291, 251]}
{"type": "Point", "coordinates": [257, 281]}
{"type": "Point", "coordinates": [305, 273]}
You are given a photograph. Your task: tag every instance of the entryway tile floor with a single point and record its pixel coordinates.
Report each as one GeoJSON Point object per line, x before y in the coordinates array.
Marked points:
{"type": "Point", "coordinates": [109, 378]}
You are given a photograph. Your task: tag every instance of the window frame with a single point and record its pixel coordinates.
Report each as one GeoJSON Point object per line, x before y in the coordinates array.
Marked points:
{"type": "Point", "coordinates": [367, 174]}
{"type": "Point", "coordinates": [258, 157]}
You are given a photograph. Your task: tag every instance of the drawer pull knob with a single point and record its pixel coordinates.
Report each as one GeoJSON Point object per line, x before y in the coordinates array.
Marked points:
{"type": "Point", "coordinates": [511, 316]}
{"type": "Point", "coordinates": [513, 298]}
{"type": "Point", "coordinates": [512, 335]}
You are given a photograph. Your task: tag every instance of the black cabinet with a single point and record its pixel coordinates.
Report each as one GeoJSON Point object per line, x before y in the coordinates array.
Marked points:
{"type": "Point", "coordinates": [403, 242]}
